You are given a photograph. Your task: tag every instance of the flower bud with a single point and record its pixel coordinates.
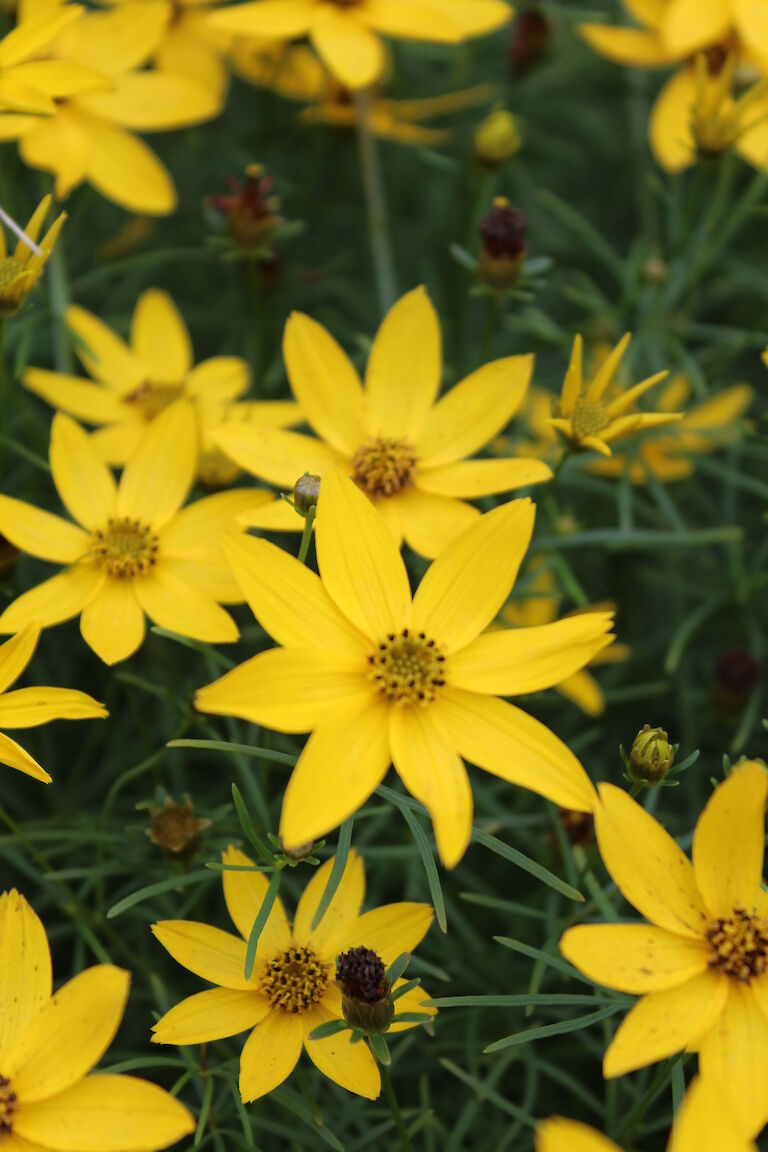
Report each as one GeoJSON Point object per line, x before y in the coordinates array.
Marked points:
{"type": "Point", "coordinates": [502, 232]}
{"type": "Point", "coordinates": [651, 756]}
{"type": "Point", "coordinates": [306, 491]}
{"type": "Point", "coordinates": [497, 138]}
{"type": "Point", "coordinates": [176, 829]}
{"type": "Point", "coordinates": [302, 852]}
{"type": "Point", "coordinates": [531, 38]}
{"type": "Point", "coordinates": [366, 997]}
{"type": "Point", "coordinates": [250, 212]}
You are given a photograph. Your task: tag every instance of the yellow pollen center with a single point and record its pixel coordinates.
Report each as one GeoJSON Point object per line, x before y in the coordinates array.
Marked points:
{"type": "Point", "coordinates": [294, 979]}
{"type": "Point", "coordinates": [10, 268]}
{"type": "Point", "coordinates": [8, 1106]}
{"type": "Point", "coordinates": [588, 419]}
{"type": "Point", "coordinates": [408, 667]}
{"type": "Point", "coordinates": [739, 945]}
{"type": "Point", "coordinates": [384, 467]}
{"type": "Point", "coordinates": [125, 548]}
{"type": "Point", "coordinates": [152, 399]}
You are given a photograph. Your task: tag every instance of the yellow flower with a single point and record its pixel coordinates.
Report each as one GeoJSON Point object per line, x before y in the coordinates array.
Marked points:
{"type": "Point", "coordinates": [20, 273]}
{"type": "Point", "coordinates": [406, 449]}
{"type": "Point", "coordinates": [132, 550]}
{"type": "Point", "coordinates": [581, 688]}
{"type": "Point", "coordinates": [29, 81]}
{"type": "Point", "coordinates": [590, 422]}
{"type": "Point", "coordinates": [345, 33]}
{"type": "Point", "coordinates": [49, 1044]}
{"type": "Point", "coordinates": [705, 1123]}
{"type": "Point", "coordinates": [137, 381]}
{"type": "Point", "coordinates": [30, 707]}
{"type": "Point", "coordinates": [379, 678]}
{"type": "Point", "coordinates": [703, 428]}
{"type": "Point", "coordinates": [291, 990]}
{"type": "Point", "coordinates": [89, 137]}
{"type": "Point", "coordinates": [701, 965]}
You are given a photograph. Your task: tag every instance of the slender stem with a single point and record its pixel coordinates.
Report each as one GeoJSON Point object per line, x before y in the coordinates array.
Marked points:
{"type": "Point", "coordinates": [378, 230]}
{"type": "Point", "coordinates": [5, 407]}
{"type": "Point", "coordinates": [394, 1107]}
{"type": "Point", "coordinates": [309, 520]}
{"type": "Point", "coordinates": [58, 285]}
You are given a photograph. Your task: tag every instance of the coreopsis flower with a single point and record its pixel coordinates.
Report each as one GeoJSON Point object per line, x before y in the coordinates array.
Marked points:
{"type": "Point", "coordinates": [591, 422]}
{"type": "Point", "coordinates": [406, 449]}
{"type": "Point", "coordinates": [134, 382]}
{"type": "Point", "coordinates": [30, 707]}
{"type": "Point", "coordinates": [540, 608]}
{"type": "Point", "coordinates": [29, 79]}
{"type": "Point", "coordinates": [49, 1043]}
{"type": "Point", "coordinates": [292, 989]}
{"type": "Point", "coordinates": [20, 272]}
{"type": "Point", "coordinates": [704, 1123]}
{"type": "Point", "coordinates": [703, 428]}
{"type": "Point", "coordinates": [701, 965]}
{"type": "Point", "coordinates": [346, 33]}
{"type": "Point", "coordinates": [378, 676]}
{"type": "Point", "coordinates": [132, 549]}
{"type": "Point", "coordinates": [90, 136]}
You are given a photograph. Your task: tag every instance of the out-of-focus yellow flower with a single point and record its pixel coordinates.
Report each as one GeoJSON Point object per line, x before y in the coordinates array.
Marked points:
{"type": "Point", "coordinates": [29, 79]}
{"type": "Point", "coordinates": [346, 33]}
{"type": "Point", "coordinates": [20, 273]}
{"type": "Point", "coordinates": [497, 138]}
{"type": "Point", "coordinates": [49, 1043]}
{"type": "Point", "coordinates": [590, 422]}
{"type": "Point", "coordinates": [89, 137]}
{"type": "Point", "coordinates": [134, 383]}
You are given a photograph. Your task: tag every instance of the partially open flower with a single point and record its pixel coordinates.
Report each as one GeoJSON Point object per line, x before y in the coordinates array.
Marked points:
{"type": "Point", "coordinates": [305, 492]}
{"type": "Point", "coordinates": [502, 231]}
{"type": "Point", "coordinates": [20, 272]}
{"type": "Point", "coordinates": [366, 996]}
{"type": "Point", "coordinates": [651, 756]}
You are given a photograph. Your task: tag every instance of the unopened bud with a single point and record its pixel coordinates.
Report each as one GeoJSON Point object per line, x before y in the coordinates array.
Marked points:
{"type": "Point", "coordinates": [651, 756]}
{"type": "Point", "coordinates": [655, 270]}
{"type": "Point", "coordinates": [302, 852]}
{"type": "Point", "coordinates": [176, 829]}
{"type": "Point", "coordinates": [497, 138]}
{"type": "Point", "coordinates": [306, 491]}
{"type": "Point", "coordinates": [531, 38]}
{"type": "Point", "coordinates": [366, 997]}
{"type": "Point", "coordinates": [250, 210]}
{"type": "Point", "coordinates": [502, 232]}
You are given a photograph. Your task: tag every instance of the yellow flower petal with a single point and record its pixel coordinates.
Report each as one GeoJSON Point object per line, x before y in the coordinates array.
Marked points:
{"type": "Point", "coordinates": [692, 24]}
{"type": "Point", "coordinates": [474, 411]}
{"type": "Point", "coordinates": [413, 1001]}
{"type": "Point", "coordinates": [244, 894]}
{"type": "Point", "coordinates": [402, 379]}
{"type": "Point", "coordinates": [509, 743]}
{"type": "Point", "coordinates": [274, 455]}
{"type": "Point", "coordinates": [652, 873]}
{"type": "Point", "coordinates": [466, 586]}
{"type": "Point", "coordinates": [473, 17]}
{"type": "Point", "coordinates": [434, 773]}
{"type": "Point", "coordinates": [343, 908]}
{"type": "Point", "coordinates": [14, 756]}
{"type": "Point", "coordinates": [707, 1122]}
{"type": "Point", "coordinates": [106, 1114]}
{"type": "Point", "coordinates": [664, 1023]}
{"type": "Point", "coordinates": [158, 476]}
{"type": "Point", "coordinates": [212, 1015]}
{"type": "Point", "coordinates": [429, 523]}
{"type": "Point", "coordinates": [69, 1034]}
{"type": "Point", "coordinates": [176, 604]}
{"type": "Point", "coordinates": [634, 958]}
{"type": "Point", "coordinates": [152, 102]}
{"type": "Point", "coordinates": [270, 1054]}
{"type": "Point", "coordinates": [734, 1055]}
{"type": "Point", "coordinates": [281, 19]}
{"type": "Point", "coordinates": [350, 1065]}
{"type": "Point", "coordinates": [348, 49]}
{"type": "Point", "coordinates": [558, 1135]}
{"type": "Point", "coordinates": [635, 47]}
{"type": "Point", "coordinates": [29, 707]}
{"type": "Point", "coordinates": [216, 956]}
{"type": "Point", "coordinates": [325, 383]}
{"type": "Point", "coordinates": [344, 760]}
{"type": "Point", "coordinates": [63, 596]}
{"type": "Point", "coordinates": [102, 353]}
{"type": "Point", "coordinates": [112, 623]}
{"type": "Point", "coordinates": [118, 442]}
{"type": "Point", "coordinates": [16, 653]}
{"type": "Point", "coordinates": [159, 338]}
{"type": "Point", "coordinates": [584, 691]}
{"type": "Point", "coordinates": [84, 482]}
{"type": "Point", "coordinates": [389, 930]}
{"type": "Point", "coordinates": [125, 170]}
{"type": "Point", "coordinates": [34, 33]}
{"type": "Point", "coordinates": [512, 662]}
{"type": "Point", "coordinates": [729, 842]}
{"type": "Point", "coordinates": [90, 403]}
{"type": "Point", "coordinates": [25, 967]}
{"type": "Point", "coordinates": [669, 127]}
{"type": "Point", "coordinates": [198, 529]}
{"type": "Point", "coordinates": [226, 378]}
{"type": "Point", "coordinates": [752, 22]}
{"type": "Point", "coordinates": [359, 563]}
{"type": "Point", "coordinates": [472, 478]}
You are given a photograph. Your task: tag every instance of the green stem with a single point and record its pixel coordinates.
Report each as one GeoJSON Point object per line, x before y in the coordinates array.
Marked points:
{"type": "Point", "coordinates": [378, 230]}
{"type": "Point", "coordinates": [5, 407]}
{"type": "Point", "coordinates": [309, 520]}
{"type": "Point", "coordinates": [394, 1107]}
{"type": "Point", "coordinates": [58, 285]}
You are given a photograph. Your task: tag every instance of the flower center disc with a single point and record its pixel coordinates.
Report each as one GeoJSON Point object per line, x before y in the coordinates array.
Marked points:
{"type": "Point", "coordinates": [384, 467]}
{"type": "Point", "coordinates": [152, 399]}
{"type": "Point", "coordinates": [7, 1106]}
{"type": "Point", "coordinates": [408, 667]}
{"type": "Point", "coordinates": [295, 979]}
{"type": "Point", "coordinates": [588, 419]}
{"type": "Point", "coordinates": [739, 945]}
{"type": "Point", "coordinates": [125, 548]}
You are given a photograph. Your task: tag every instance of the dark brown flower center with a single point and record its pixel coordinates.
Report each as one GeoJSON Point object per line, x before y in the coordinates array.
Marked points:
{"type": "Point", "coordinates": [383, 467]}
{"type": "Point", "coordinates": [739, 945]}
{"type": "Point", "coordinates": [125, 548]}
{"type": "Point", "coordinates": [294, 979]}
{"type": "Point", "coordinates": [8, 1105]}
{"type": "Point", "coordinates": [408, 666]}
{"type": "Point", "coordinates": [361, 974]}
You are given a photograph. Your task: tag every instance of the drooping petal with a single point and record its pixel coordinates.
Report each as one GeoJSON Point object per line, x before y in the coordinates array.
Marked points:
{"type": "Point", "coordinates": [389, 930]}
{"type": "Point", "coordinates": [634, 958]}
{"type": "Point", "coordinates": [325, 383]}
{"type": "Point", "coordinates": [429, 523]}
{"type": "Point", "coordinates": [472, 478]}
{"type": "Point", "coordinates": [160, 339]}
{"type": "Point", "coordinates": [509, 743]}
{"type": "Point", "coordinates": [14, 756]}
{"type": "Point", "coordinates": [69, 1034]}
{"type": "Point", "coordinates": [91, 403]}
{"type": "Point", "coordinates": [63, 596]}
{"type": "Point", "coordinates": [729, 842]}
{"type": "Point", "coordinates": [244, 894]}
{"type": "Point", "coordinates": [652, 873]}
{"type": "Point", "coordinates": [41, 533]}
{"type": "Point", "coordinates": [734, 1053]}
{"type": "Point", "coordinates": [350, 1065]}
{"type": "Point", "coordinates": [402, 379]}
{"type": "Point", "coordinates": [465, 587]}
{"type": "Point", "coordinates": [84, 482]}
{"type": "Point", "coordinates": [433, 773]}
{"type": "Point", "coordinates": [112, 624]}
{"type": "Point", "coordinates": [174, 603]}
{"type": "Point", "coordinates": [349, 50]}
{"type": "Point", "coordinates": [29, 707]}
{"type": "Point", "coordinates": [669, 127]}
{"type": "Point", "coordinates": [270, 1054]}
{"type": "Point", "coordinates": [216, 956]}
{"type": "Point", "coordinates": [343, 761]}
{"type": "Point", "coordinates": [16, 653]}
{"type": "Point", "coordinates": [359, 563]}
{"type": "Point", "coordinates": [274, 454]}
{"type": "Point", "coordinates": [102, 353]}
{"type": "Point", "coordinates": [158, 476]}
{"type": "Point", "coordinates": [559, 1135]}
{"type": "Point", "coordinates": [125, 170]}
{"type": "Point", "coordinates": [343, 908]}
{"type": "Point", "coordinates": [25, 967]}
{"type": "Point", "coordinates": [212, 1015]}
{"type": "Point", "coordinates": [663, 1023]}
{"type": "Point", "coordinates": [583, 690]}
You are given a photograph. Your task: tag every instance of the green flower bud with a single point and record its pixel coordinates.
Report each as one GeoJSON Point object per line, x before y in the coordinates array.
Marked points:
{"type": "Point", "coordinates": [366, 997]}
{"type": "Point", "coordinates": [651, 756]}
{"type": "Point", "coordinates": [305, 492]}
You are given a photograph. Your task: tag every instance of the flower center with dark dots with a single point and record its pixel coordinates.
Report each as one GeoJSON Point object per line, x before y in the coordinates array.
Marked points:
{"type": "Point", "coordinates": [152, 399]}
{"type": "Point", "coordinates": [10, 268]}
{"type": "Point", "coordinates": [125, 548]}
{"type": "Point", "coordinates": [588, 419]}
{"type": "Point", "coordinates": [384, 467]}
{"type": "Point", "coordinates": [295, 979]}
{"type": "Point", "coordinates": [8, 1105]}
{"type": "Point", "coordinates": [361, 974]}
{"type": "Point", "coordinates": [408, 666]}
{"type": "Point", "coordinates": [739, 945]}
